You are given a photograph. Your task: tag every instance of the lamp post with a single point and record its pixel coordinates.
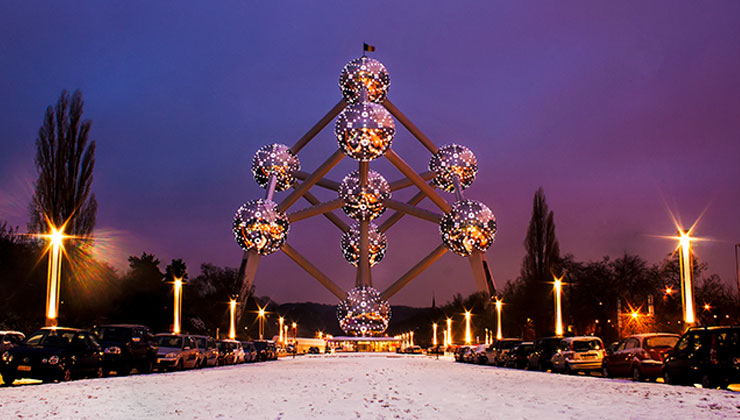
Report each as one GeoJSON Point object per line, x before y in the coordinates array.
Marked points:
{"type": "Point", "coordinates": [449, 331]}
{"type": "Point", "coordinates": [558, 310]}
{"type": "Point", "coordinates": [177, 286]}
{"type": "Point", "coordinates": [687, 288]}
{"type": "Point", "coordinates": [434, 334]}
{"type": "Point", "coordinates": [261, 320]}
{"type": "Point", "coordinates": [468, 337]}
{"type": "Point", "coordinates": [281, 340]}
{"type": "Point", "coordinates": [499, 334]}
{"type": "Point", "coordinates": [295, 338]}
{"type": "Point", "coordinates": [412, 338]}
{"type": "Point", "coordinates": [232, 318]}
{"type": "Point", "coordinates": [54, 274]}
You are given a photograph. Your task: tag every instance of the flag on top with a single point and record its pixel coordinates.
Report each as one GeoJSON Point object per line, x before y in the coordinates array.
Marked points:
{"type": "Point", "coordinates": [368, 47]}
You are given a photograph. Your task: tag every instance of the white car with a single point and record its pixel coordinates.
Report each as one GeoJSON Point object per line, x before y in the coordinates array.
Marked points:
{"type": "Point", "coordinates": [575, 354]}
{"type": "Point", "coordinates": [176, 351]}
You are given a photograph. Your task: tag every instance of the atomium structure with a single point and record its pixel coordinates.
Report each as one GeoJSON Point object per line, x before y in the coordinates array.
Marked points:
{"type": "Point", "coordinates": [364, 129]}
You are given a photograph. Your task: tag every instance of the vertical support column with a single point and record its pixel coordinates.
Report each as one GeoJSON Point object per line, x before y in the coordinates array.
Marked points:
{"type": "Point", "coordinates": [247, 271]}
{"type": "Point", "coordinates": [481, 274]}
{"type": "Point", "coordinates": [363, 265]}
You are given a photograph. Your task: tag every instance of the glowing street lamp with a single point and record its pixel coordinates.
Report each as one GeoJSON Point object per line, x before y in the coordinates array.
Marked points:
{"type": "Point", "coordinates": [232, 319]}
{"type": "Point", "coordinates": [54, 274]}
{"type": "Point", "coordinates": [499, 335]}
{"type": "Point", "coordinates": [178, 305]}
{"type": "Point", "coordinates": [261, 320]}
{"type": "Point", "coordinates": [281, 339]}
{"type": "Point", "coordinates": [558, 310]}
{"type": "Point", "coordinates": [412, 338]}
{"type": "Point", "coordinates": [468, 336]}
{"type": "Point", "coordinates": [687, 288]}
{"type": "Point", "coordinates": [434, 334]}
{"type": "Point", "coordinates": [449, 331]}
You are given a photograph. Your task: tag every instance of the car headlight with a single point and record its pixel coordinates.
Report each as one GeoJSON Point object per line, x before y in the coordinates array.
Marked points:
{"type": "Point", "coordinates": [53, 360]}
{"type": "Point", "coordinates": [113, 350]}
{"type": "Point", "coordinates": [7, 357]}
{"type": "Point", "coordinates": [170, 355]}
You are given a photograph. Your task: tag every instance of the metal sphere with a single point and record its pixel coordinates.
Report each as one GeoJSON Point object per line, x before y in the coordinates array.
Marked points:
{"type": "Point", "coordinates": [469, 226]}
{"type": "Point", "coordinates": [365, 131]}
{"type": "Point", "coordinates": [366, 74]}
{"type": "Point", "coordinates": [363, 312]}
{"type": "Point", "coordinates": [364, 203]}
{"type": "Point", "coordinates": [453, 160]}
{"type": "Point", "coordinates": [275, 159]}
{"type": "Point", "coordinates": [260, 226]}
{"type": "Point", "coordinates": [351, 244]}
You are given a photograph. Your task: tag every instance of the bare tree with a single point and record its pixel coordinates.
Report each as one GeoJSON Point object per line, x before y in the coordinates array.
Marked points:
{"type": "Point", "coordinates": [64, 162]}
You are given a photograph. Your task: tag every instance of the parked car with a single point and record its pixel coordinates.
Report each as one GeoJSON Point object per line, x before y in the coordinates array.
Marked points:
{"type": "Point", "coordinates": [479, 354]}
{"type": "Point", "coordinates": [53, 354]}
{"type": "Point", "coordinates": [266, 350]}
{"type": "Point", "coordinates": [227, 352]}
{"type": "Point", "coordinates": [10, 339]}
{"type": "Point", "coordinates": [542, 353]}
{"type": "Point", "coordinates": [126, 347]}
{"type": "Point", "coordinates": [496, 352]}
{"type": "Point", "coordinates": [314, 350]}
{"type": "Point", "coordinates": [639, 356]}
{"type": "Point", "coordinates": [459, 351]}
{"type": "Point", "coordinates": [208, 352]}
{"type": "Point", "coordinates": [438, 349]}
{"type": "Point", "coordinates": [413, 350]}
{"type": "Point", "coordinates": [250, 352]}
{"type": "Point", "coordinates": [468, 355]}
{"type": "Point", "coordinates": [518, 357]}
{"type": "Point", "coordinates": [176, 351]}
{"type": "Point", "coordinates": [707, 355]}
{"type": "Point", "coordinates": [575, 354]}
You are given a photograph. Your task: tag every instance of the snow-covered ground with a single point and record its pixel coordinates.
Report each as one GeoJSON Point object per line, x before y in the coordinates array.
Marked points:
{"type": "Point", "coordinates": [368, 386]}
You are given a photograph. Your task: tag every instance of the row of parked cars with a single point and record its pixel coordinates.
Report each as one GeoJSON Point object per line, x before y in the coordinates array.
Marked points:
{"type": "Point", "coordinates": [62, 354]}
{"type": "Point", "coordinates": [706, 355]}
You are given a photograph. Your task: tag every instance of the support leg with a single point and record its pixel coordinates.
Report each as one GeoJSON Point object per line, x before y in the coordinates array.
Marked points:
{"type": "Point", "coordinates": [247, 271]}
{"type": "Point", "coordinates": [482, 273]}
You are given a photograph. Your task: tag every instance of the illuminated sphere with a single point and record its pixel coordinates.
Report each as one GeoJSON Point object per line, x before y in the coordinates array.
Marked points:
{"type": "Point", "coordinates": [364, 203]}
{"type": "Point", "coordinates": [469, 226]}
{"type": "Point", "coordinates": [260, 226]}
{"type": "Point", "coordinates": [366, 74]}
{"type": "Point", "coordinates": [363, 312]}
{"type": "Point", "coordinates": [451, 160]}
{"type": "Point", "coordinates": [365, 131]}
{"type": "Point", "coordinates": [351, 244]}
{"type": "Point", "coordinates": [275, 159]}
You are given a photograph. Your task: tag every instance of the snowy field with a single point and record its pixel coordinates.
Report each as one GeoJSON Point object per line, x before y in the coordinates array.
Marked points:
{"type": "Point", "coordinates": [366, 386]}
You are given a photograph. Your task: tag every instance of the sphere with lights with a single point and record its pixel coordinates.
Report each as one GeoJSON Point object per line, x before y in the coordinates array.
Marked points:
{"type": "Point", "coordinates": [450, 161]}
{"type": "Point", "coordinates": [469, 226]}
{"type": "Point", "coordinates": [363, 312]}
{"type": "Point", "coordinates": [364, 203]}
{"type": "Point", "coordinates": [365, 131]}
{"type": "Point", "coordinates": [351, 244]}
{"type": "Point", "coordinates": [259, 226]}
{"type": "Point", "coordinates": [366, 74]}
{"type": "Point", "coordinates": [275, 159]}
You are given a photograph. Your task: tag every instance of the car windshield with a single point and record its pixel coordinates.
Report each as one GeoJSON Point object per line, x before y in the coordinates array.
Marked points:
{"type": "Point", "coordinates": [201, 342]}
{"type": "Point", "coordinates": [168, 341]}
{"type": "Point", "coordinates": [660, 341]}
{"type": "Point", "coordinates": [113, 333]}
{"type": "Point", "coordinates": [507, 345]}
{"type": "Point", "coordinates": [222, 346]}
{"type": "Point", "coordinates": [50, 338]}
{"type": "Point", "coordinates": [586, 345]}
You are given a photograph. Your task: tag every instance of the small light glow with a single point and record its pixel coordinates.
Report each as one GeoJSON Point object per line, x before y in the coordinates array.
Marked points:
{"type": "Point", "coordinates": [468, 335]}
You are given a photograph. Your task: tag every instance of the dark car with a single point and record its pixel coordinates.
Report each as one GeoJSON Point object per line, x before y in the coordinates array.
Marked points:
{"type": "Point", "coordinates": [53, 354]}
{"type": "Point", "coordinates": [639, 356]}
{"type": "Point", "coordinates": [10, 339]}
{"type": "Point", "coordinates": [227, 352]}
{"type": "Point", "coordinates": [127, 347]}
{"type": "Point", "coordinates": [497, 352]}
{"type": "Point", "coordinates": [518, 356]}
{"type": "Point", "coordinates": [542, 353]}
{"type": "Point", "coordinates": [250, 352]}
{"type": "Point", "coordinates": [266, 350]}
{"type": "Point", "coordinates": [207, 349]}
{"type": "Point", "coordinates": [706, 355]}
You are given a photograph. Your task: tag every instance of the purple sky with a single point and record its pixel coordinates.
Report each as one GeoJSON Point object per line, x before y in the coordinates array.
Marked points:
{"type": "Point", "coordinates": [620, 111]}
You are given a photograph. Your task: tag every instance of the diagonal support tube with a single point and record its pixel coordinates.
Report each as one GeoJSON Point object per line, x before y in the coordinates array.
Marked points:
{"type": "Point", "coordinates": [413, 211]}
{"type": "Point", "coordinates": [415, 271]}
{"type": "Point", "coordinates": [403, 183]}
{"type": "Point", "coordinates": [313, 271]}
{"type": "Point", "coordinates": [323, 182]}
{"type": "Point", "coordinates": [395, 217]}
{"type": "Point", "coordinates": [482, 273]}
{"type": "Point", "coordinates": [405, 169]}
{"type": "Point", "coordinates": [331, 216]}
{"type": "Point", "coordinates": [247, 272]}
{"type": "Point", "coordinates": [312, 180]}
{"type": "Point", "coordinates": [414, 130]}
{"type": "Point", "coordinates": [303, 141]}
{"type": "Point", "coordinates": [320, 208]}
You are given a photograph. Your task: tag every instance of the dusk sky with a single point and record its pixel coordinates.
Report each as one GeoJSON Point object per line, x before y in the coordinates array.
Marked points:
{"type": "Point", "coordinates": [621, 111]}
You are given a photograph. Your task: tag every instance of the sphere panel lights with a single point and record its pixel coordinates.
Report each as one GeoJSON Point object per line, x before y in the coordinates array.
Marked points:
{"type": "Point", "coordinates": [363, 312]}
{"type": "Point", "coordinates": [259, 226]}
{"type": "Point", "coordinates": [364, 203]}
{"type": "Point", "coordinates": [365, 131]}
{"type": "Point", "coordinates": [453, 160]}
{"type": "Point", "coordinates": [366, 74]}
{"type": "Point", "coordinates": [351, 244]}
{"type": "Point", "coordinates": [275, 159]}
{"type": "Point", "coordinates": [467, 227]}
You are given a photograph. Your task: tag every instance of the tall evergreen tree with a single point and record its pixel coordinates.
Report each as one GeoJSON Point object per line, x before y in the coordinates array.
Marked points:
{"type": "Point", "coordinates": [64, 162]}
{"type": "Point", "coordinates": [540, 263]}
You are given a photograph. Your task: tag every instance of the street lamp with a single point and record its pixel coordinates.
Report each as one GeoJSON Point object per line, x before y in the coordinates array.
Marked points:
{"type": "Point", "coordinates": [178, 305]}
{"type": "Point", "coordinates": [499, 334]}
{"type": "Point", "coordinates": [281, 339]}
{"type": "Point", "coordinates": [295, 338]}
{"type": "Point", "coordinates": [449, 331]}
{"type": "Point", "coordinates": [558, 310]}
{"type": "Point", "coordinates": [232, 318]}
{"type": "Point", "coordinates": [687, 288]}
{"type": "Point", "coordinates": [434, 334]}
{"type": "Point", "coordinates": [261, 320]}
{"type": "Point", "coordinates": [54, 274]}
{"type": "Point", "coordinates": [468, 338]}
